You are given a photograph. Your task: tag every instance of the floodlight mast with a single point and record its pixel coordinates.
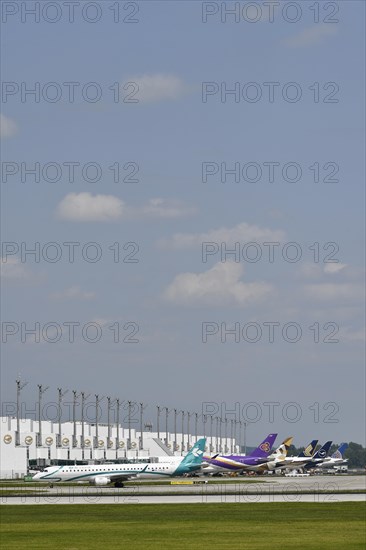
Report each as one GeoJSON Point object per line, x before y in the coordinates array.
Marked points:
{"type": "Point", "coordinates": [167, 411]}
{"type": "Point", "coordinates": [76, 396]}
{"type": "Point", "coordinates": [41, 391]}
{"type": "Point", "coordinates": [98, 400]}
{"type": "Point", "coordinates": [20, 386]}
{"type": "Point", "coordinates": [61, 395]}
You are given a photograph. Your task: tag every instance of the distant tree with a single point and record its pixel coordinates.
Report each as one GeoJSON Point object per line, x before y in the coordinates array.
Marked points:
{"type": "Point", "coordinates": [356, 455]}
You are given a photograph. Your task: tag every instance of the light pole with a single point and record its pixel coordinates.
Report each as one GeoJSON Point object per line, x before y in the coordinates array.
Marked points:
{"type": "Point", "coordinates": [129, 424]}
{"type": "Point", "coordinates": [217, 434]}
{"type": "Point", "coordinates": [142, 408]}
{"type": "Point", "coordinates": [245, 438]}
{"type": "Point", "coordinates": [109, 404]}
{"type": "Point", "coordinates": [83, 398]}
{"type": "Point", "coordinates": [211, 423]}
{"type": "Point", "coordinates": [188, 430]}
{"type": "Point", "coordinates": [167, 411]}
{"type": "Point", "coordinates": [118, 405]}
{"type": "Point", "coordinates": [158, 421]}
{"type": "Point", "coordinates": [197, 416]}
{"type": "Point", "coordinates": [20, 386]}
{"type": "Point", "coordinates": [98, 400]}
{"type": "Point", "coordinates": [226, 448]}
{"type": "Point", "coordinates": [76, 395]}
{"type": "Point", "coordinates": [175, 429]}
{"type": "Point", "coordinates": [61, 394]}
{"type": "Point", "coordinates": [183, 413]}
{"type": "Point", "coordinates": [41, 391]}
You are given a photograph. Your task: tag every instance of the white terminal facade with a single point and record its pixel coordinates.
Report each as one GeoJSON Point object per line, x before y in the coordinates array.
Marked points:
{"type": "Point", "coordinates": [45, 442]}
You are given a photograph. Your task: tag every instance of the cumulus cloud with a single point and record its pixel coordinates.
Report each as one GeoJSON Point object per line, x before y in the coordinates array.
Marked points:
{"type": "Point", "coordinates": [12, 268]}
{"type": "Point", "coordinates": [167, 208]}
{"type": "Point", "coordinates": [335, 291]}
{"type": "Point", "coordinates": [8, 127]}
{"type": "Point", "coordinates": [73, 293]}
{"type": "Point", "coordinates": [158, 87]}
{"type": "Point", "coordinates": [311, 35]}
{"type": "Point", "coordinates": [242, 233]}
{"type": "Point", "coordinates": [333, 267]}
{"type": "Point", "coordinates": [85, 207]}
{"type": "Point", "coordinates": [317, 270]}
{"type": "Point", "coordinates": [220, 285]}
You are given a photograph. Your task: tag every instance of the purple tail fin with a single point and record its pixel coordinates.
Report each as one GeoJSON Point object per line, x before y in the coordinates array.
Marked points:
{"type": "Point", "coordinates": [265, 447]}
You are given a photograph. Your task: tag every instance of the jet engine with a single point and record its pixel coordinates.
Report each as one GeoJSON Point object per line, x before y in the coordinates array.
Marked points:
{"type": "Point", "coordinates": [100, 480]}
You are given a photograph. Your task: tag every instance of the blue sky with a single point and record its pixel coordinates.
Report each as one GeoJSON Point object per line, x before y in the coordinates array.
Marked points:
{"type": "Point", "coordinates": [168, 133]}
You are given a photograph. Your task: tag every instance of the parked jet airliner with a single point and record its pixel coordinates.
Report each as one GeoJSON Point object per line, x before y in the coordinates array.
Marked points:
{"type": "Point", "coordinates": [103, 474]}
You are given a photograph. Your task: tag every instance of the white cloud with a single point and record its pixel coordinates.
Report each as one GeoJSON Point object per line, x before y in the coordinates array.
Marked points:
{"type": "Point", "coordinates": [335, 291]}
{"type": "Point", "coordinates": [311, 35]}
{"type": "Point", "coordinates": [220, 285]}
{"type": "Point", "coordinates": [12, 268]}
{"type": "Point", "coordinates": [311, 270]}
{"type": "Point", "coordinates": [333, 267]}
{"type": "Point", "coordinates": [158, 87]}
{"type": "Point", "coordinates": [8, 127]}
{"type": "Point", "coordinates": [167, 208]}
{"type": "Point", "coordinates": [242, 233]}
{"type": "Point", "coordinates": [350, 335]}
{"type": "Point", "coordinates": [73, 293]}
{"type": "Point", "coordinates": [86, 207]}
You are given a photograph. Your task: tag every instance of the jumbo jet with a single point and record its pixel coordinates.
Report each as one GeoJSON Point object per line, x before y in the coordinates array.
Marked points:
{"type": "Point", "coordinates": [234, 463]}
{"type": "Point", "coordinates": [104, 474]}
{"type": "Point", "coordinates": [335, 459]}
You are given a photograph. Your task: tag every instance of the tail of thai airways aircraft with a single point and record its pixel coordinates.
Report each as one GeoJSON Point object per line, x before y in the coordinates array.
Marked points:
{"type": "Point", "coordinates": [265, 447]}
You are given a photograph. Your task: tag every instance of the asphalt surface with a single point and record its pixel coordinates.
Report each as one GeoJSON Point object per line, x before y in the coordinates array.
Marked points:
{"type": "Point", "coordinates": [279, 489]}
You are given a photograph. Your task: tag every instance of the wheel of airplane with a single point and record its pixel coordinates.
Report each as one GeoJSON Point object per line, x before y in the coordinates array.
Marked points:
{"type": "Point", "coordinates": [118, 484]}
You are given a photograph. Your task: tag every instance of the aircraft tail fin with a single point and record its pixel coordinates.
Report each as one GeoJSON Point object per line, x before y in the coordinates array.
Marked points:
{"type": "Point", "coordinates": [265, 447]}
{"type": "Point", "coordinates": [323, 451]}
{"type": "Point", "coordinates": [339, 452]}
{"type": "Point", "coordinates": [281, 452]}
{"type": "Point", "coordinates": [309, 450]}
{"type": "Point", "coordinates": [194, 456]}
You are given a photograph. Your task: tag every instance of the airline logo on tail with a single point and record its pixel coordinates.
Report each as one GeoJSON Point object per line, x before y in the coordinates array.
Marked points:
{"type": "Point", "coordinates": [308, 451]}
{"type": "Point", "coordinates": [197, 452]}
{"type": "Point", "coordinates": [266, 447]}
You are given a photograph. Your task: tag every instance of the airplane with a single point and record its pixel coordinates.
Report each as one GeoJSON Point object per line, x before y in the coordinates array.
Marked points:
{"type": "Point", "coordinates": [304, 462]}
{"type": "Point", "coordinates": [104, 474]}
{"type": "Point", "coordinates": [293, 462]}
{"type": "Point", "coordinates": [319, 456]}
{"type": "Point", "coordinates": [234, 463]}
{"type": "Point", "coordinates": [277, 457]}
{"type": "Point", "coordinates": [336, 458]}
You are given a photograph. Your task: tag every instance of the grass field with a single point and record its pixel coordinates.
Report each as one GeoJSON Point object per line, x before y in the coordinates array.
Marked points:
{"type": "Point", "coordinates": [178, 526]}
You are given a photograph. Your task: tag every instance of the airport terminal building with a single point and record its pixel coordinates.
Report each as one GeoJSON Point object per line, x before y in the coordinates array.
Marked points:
{"type": "Point", "coordinates": [26, 444]}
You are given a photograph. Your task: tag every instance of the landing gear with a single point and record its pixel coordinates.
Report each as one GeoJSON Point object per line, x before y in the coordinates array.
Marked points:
{"type": "Point", "coordinates": [118, 484]}
{"type": "Point", "coordinates": [51, 485]}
